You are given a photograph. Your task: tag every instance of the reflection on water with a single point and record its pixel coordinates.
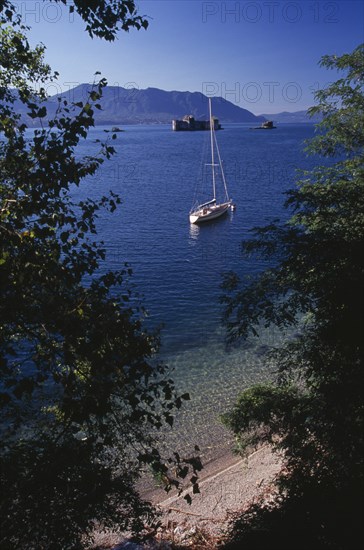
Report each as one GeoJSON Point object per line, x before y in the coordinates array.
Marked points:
{"type": "Point", "coordinates": [194, 231]}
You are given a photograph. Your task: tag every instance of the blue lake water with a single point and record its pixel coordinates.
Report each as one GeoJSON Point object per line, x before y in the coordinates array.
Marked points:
{"type": "Point", "coordinates": [178, 266]}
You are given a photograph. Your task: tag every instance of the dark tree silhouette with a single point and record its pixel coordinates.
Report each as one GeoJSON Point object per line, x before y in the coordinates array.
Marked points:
{"type": "Point", "coordinates": [314, 411]}
{"type": "Point", "coordinates": [81, 399]}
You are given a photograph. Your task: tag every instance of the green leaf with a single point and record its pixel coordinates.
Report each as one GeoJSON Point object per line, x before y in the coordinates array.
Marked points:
{"type": "Point", "coordinates": [42, 112]}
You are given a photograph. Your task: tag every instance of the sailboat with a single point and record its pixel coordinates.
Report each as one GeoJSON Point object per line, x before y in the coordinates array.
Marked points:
{"type": "Point", "coordinates": [212, 209]}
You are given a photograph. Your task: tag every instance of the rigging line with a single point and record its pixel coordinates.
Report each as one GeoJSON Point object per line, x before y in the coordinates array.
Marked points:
{"type": "Point", "coordinates": [212, 137]}
{"type": "Point", "coordinates": [200, 190]}
{"type": "Point", "coordinates": [221, 168]}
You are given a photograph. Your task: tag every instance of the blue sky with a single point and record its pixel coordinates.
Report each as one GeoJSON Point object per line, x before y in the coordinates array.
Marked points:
{"type": "Point", "coordinates": [261, 55]}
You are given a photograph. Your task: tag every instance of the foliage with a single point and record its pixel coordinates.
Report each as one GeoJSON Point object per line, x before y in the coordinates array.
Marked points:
{"type": "Point", "coordinates": [81, 396]}
{"type": "Point", "coordinates": [314, 411]}
{"type": "Point", "coordinates": [103, 18]}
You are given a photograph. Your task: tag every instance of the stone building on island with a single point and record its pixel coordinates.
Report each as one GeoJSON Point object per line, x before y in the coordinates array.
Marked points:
{"type": "Point", "coordinates": [188, 123]}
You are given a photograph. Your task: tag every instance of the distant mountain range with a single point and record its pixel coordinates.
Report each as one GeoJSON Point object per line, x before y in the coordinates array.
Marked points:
{"type": "Point", "coordinates": [122, 106]}
{"type": "Point", "coordinates": [295, 117]}
{"type": "Point", "coordinates": [151, 106]}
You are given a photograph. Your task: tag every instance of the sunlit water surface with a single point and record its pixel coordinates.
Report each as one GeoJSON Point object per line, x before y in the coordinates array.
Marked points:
{"type": "Point", "coordinates": [177, 267]}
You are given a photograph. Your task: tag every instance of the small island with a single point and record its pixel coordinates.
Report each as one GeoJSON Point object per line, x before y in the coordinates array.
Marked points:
{"type": "Point", "coordinates": [267, 125]}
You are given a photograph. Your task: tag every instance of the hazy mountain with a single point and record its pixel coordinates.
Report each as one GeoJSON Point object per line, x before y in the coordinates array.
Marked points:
{"type": "Point", "coordinates": [295, 117]}
{"type": "Point", "coordinates": [132, 106]}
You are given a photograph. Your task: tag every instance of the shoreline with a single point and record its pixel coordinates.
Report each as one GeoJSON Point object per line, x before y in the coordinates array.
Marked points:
{"type": "Point", "coordinates": [229, 485]}
{"type": "Point", "coordinates": [214, 465]}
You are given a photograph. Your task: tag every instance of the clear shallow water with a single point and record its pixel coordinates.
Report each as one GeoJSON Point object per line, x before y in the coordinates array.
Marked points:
{"type": "Point", "coordinates": [178, 266]}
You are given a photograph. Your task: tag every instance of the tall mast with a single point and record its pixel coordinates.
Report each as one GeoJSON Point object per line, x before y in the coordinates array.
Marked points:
{"type": "Point", "coordinates": [212, 150]}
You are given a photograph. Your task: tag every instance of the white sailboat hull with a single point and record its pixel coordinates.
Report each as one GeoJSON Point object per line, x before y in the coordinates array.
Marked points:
{"type": "Point", "coordinates": [204, 214]}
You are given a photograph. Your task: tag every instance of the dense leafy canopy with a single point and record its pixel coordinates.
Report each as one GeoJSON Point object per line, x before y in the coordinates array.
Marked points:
{"type": "Point", "coordinates": [314, 411]}
{"type": "Point", "coordinates": [80, 395]}
{"type": "Point", "coordinates": [103, 18]}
